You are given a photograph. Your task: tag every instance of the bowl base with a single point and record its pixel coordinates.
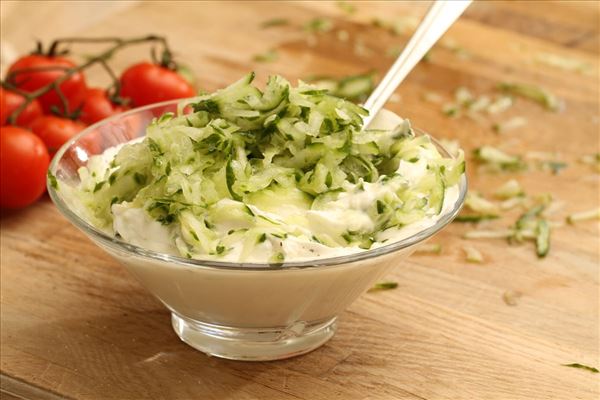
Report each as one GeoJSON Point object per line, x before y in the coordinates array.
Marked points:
{"type": "Point", "coordinates": [253, 344]}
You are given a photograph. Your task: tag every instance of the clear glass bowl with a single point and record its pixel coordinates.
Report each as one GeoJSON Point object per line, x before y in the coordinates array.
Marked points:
{"type": "Point", "coordinates": [231, 310]}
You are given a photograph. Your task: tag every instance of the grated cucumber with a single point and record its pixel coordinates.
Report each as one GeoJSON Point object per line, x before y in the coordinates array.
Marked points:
{"type": "Point", "coordinates": [257, 167]}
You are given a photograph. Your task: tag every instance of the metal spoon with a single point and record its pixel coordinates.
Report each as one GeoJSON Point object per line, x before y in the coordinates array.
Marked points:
{"type": "Point", "coordinates": [441, 15]}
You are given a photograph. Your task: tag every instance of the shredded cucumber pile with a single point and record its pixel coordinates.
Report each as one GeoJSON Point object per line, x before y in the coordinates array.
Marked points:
{"type": "Point", "coordinates": [260, 167]}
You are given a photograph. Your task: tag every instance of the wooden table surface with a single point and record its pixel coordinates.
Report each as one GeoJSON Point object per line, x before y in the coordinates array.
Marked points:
{"type": "Point", "coordinates": [76, 325]}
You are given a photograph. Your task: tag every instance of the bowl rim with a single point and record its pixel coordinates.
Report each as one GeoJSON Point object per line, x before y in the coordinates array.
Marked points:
{"type": "Point", "coordinates": [124, 247]}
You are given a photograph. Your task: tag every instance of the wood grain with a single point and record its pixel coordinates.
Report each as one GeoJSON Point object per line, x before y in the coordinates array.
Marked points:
{"type": "Point", "coordinates": [75, 325]}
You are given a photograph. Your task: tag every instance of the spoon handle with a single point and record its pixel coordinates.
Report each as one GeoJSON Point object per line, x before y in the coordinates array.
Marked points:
{"type": "Point", "coordinates": [439, 18]}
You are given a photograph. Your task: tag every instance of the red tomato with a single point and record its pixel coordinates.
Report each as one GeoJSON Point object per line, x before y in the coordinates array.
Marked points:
{"type": "Point", "coordinates": [97, 106]}
{"type": "Point", "coordinates": [147, 83]}
{"type": "Point", "coordinates": [55, 131]}
{"type": "Point", "coordinates": [23, 164]}
{"type": "Point", "coordinates": [10, 101]}
{"type": "Point", "coordinates": [73, 88]}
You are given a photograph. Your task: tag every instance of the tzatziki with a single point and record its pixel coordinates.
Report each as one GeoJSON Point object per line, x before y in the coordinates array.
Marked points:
{"type": "Point", "coordinates": [284, 174]}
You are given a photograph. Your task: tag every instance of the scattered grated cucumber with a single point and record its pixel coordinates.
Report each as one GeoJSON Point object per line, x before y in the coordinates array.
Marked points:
{"type": "Point", "coordinates": [269, 56]}
{"type": "Point", "coordinates": [383, 286]}
{"type": "Point", "coordinates": [353, 87]}
{"type": "Point", "coordinates": [510, 124]}
{"type": "Point", "coordinates": [473, 255]}
{"type": "Point", "coordinates": [564, 63]}
{"type": "Point", "coordinates": [534, 93]}
{"type": "Point", "coordinates": [431, 248]}
{"type": "Point", "coordinates": [498, 160]}
{"type": "Point", "coordinates": [318, 25]}
{"type": "Point", "coordinates": [584, 216]}
{"type": "Point", "coordinates": [274, 22]}
{"type": "Point", "coordinates": [510, 189]}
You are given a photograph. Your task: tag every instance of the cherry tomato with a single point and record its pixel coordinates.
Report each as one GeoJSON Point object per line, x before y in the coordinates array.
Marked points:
{"type": "Point", "coordinates": [147, 83]}
{"type": "Point", "coordinates": [55, 131]}
{"type": "Point", "coordinates": [73, 87]}
{"type": "Point", "coordinates": [23, 164]}
{"type": "Point", "coordinates": [10, 101]}
{"type": "Point", "coordinates": [97, 106]}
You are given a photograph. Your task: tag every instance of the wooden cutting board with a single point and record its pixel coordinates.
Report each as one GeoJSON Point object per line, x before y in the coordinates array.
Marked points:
{"type": "Point", "coordinates": [76, 325]}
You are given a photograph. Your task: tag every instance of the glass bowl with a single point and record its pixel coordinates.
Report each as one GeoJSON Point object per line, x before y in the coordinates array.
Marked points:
{"type": "Point", "coordinates": [238, 311]}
